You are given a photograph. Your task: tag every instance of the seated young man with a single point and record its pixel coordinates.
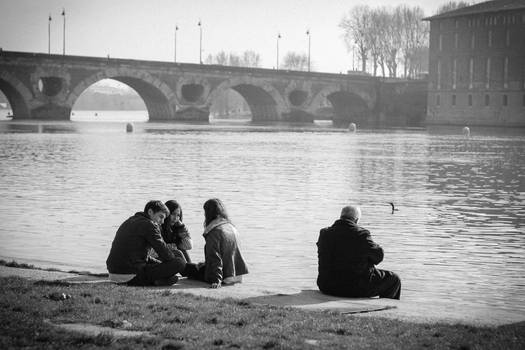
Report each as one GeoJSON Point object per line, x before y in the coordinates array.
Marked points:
{"type": "Point", "coordinates": [128, 260]}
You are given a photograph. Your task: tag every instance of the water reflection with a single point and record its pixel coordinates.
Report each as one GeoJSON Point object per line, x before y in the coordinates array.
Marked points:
{"type": "Point", "coordinates": [457, 235]}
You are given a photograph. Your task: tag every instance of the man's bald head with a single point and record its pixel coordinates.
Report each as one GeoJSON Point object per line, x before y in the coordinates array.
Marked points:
{"type": "Point", "coordinates": [351, 212]}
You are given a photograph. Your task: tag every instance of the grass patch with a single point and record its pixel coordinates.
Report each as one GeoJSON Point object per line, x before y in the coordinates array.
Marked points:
{"type": "Point", "coordinates": [183, 321]}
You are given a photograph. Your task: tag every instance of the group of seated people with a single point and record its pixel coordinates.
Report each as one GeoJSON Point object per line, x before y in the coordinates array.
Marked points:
{"type": "Point", "coordinates": [151, 249]}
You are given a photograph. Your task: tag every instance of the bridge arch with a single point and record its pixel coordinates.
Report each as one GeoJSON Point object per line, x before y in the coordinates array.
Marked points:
{"type": "Point", "coordinates": [159, 98]}
{"type": "Point", "coordinates": [350, 103]}
{"type": "Point", "coordinates": [265, 102]}
{"type": "Point", "coordinates": [17, 95]}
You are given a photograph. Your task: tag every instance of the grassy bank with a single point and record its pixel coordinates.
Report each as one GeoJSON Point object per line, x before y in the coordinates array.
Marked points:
{"type": "Point", "coordinates": [180, 321]}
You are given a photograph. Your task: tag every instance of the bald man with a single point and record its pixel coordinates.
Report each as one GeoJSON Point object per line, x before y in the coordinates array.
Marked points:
{"type": "Point", "coordinates": [347, 258]}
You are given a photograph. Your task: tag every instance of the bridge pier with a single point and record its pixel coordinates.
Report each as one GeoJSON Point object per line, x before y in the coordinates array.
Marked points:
{"type": "Point", "coordinates": [299, 115]}
{"type": "Point", "coordinates": [193, 114]}
{"type": "Point", "coordinates": [49, 111]}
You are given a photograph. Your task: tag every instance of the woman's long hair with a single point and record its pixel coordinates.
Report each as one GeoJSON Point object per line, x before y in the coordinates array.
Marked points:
{"type": "Point", "coordinates": [214, 208]}
{"type": "Point", "coordinates": [166, 227]}
{"type": "Point", "coordinates": [174, 205]}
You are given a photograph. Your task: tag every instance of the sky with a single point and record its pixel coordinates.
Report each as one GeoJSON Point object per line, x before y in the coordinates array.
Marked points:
{"type": "Point", "coordinates": [145, 29]}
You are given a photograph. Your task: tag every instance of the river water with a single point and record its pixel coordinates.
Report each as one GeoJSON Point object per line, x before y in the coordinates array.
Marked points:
{"type": "Point", "coordinates": [457, 235]}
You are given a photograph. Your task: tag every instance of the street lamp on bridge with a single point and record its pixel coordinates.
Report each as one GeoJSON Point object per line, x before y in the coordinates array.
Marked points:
{"type": "Point", "coordinates": [64, 34]}
{"type": "Point", "coordinates": [278, 37]}
{"type": "Point", "coordinates": [175, 47]}
{"type": "Point", "coordinates": [200, 41]}
{"type": "Point", "coordinates": [49, 35]}
{"type": "Point", "coordinates": [308, 34]}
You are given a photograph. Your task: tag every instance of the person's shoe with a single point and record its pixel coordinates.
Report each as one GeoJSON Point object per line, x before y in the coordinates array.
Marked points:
{"type": "Point", "coordinates": [164, 282]}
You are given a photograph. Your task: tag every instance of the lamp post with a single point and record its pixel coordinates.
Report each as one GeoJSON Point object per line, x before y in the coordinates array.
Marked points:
{"type": "Point", "coordinates": [175, 47]}
{"type": "Point", "coordinates": [200, 41]}
{"type": "Point", "coordinates": [49, 35]}
{"type": "Point", "coordinates": [278, 37]}
{"type": "Point", "coordinates": [64, 34]}
{"type": "Point", "coordinates": [308, 34]}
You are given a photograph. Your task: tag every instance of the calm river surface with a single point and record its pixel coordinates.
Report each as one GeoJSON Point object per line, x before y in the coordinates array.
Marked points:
{"type": "Point", "coordinates": [458, 235]}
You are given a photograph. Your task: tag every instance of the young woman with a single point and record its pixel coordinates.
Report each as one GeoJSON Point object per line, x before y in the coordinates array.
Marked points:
{"type": "Point", "coordinates": [174, 232]}
{"type": "Point", "coordinates": [223, 261]}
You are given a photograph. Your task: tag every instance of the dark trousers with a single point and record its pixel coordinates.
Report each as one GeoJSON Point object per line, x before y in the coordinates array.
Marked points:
{"type": "Point", "coordinates": [158, 271]}
{"type": "Point", "coordinates": [382, 283]}
{"type": "Point", "coordinates": [196, 271]}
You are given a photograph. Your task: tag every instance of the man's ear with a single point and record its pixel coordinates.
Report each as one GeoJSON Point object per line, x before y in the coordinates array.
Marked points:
{"type": "Point", "coordinates": [150, 213]}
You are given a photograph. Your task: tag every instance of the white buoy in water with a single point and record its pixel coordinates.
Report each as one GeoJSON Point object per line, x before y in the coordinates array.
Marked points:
{"type": "Point", "coordinates": [466, 131]}
{"type": "Point", "coordinates": [129, 127]}
{"type": "Point", "coordinates": [352, 127]}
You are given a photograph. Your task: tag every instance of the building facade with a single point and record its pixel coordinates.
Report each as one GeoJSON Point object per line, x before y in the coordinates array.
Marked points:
{"type": "Point", "coordinates": [477, 65]}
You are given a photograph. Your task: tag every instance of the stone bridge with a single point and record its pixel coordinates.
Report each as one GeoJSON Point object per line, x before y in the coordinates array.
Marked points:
{"type": "Point", "coordinates": [42, 86]}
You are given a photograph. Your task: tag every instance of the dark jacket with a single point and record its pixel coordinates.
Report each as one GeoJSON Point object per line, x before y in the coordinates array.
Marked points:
{"type": "Point", "coordinates": [177, 234]}
{"type": "Point", "coordinates": [129, 251]}
{"type": "Point", "coordinates": [346, 254]}
{"type": "Point", "coordinates": [222, 255]}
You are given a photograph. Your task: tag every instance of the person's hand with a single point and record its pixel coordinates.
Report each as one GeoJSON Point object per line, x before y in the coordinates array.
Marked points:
{"type": "Point", "coordinates": [215, 285]}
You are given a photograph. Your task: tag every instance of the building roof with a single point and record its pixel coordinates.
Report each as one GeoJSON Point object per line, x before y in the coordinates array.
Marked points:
{"type": "Point", "coordinates": [483, 7]}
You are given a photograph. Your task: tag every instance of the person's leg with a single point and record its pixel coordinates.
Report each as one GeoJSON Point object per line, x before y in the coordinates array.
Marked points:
{"type": "Point", "coordinates": [160, 273]}
{"type": "Point", "coordinates": [196, 271]}
{"type": "Point", "coordinates": [386, 284]}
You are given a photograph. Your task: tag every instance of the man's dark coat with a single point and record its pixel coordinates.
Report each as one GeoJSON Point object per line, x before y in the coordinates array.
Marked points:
{"type": "Point", "coordinates": [347, 255]}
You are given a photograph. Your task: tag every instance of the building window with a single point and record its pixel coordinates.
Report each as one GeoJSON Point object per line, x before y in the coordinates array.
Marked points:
{"type": "Point", "coordinates": [456, 23]}
{"type": "Point", "coordinates": [487, 78]}
{"type": "Point", "coordinates": [456, 40]}
{"type": "Point", "coordinates": [490, 38]}
{"type": "Point", "coordinates": [473, 41]}
{"type": "Point", "coordinates": [470, 100]}
{"type": "Point", "coordinates": [471, 73]}
{"type": "Point", "coordinates": [439, 74]}
{"type": "Point", "coordinates": [438, 100]}
{"type": "Point", "coordinates": [440, 42]}
{"type": "Point", "coordinates": [506, 73]}
{"type": "Point", "coordinates": [505, 100]}
{"type": "Point", "coordinates": [523, 102]}
{"type": "Point", "coordinates": [507, 37]}
{"type": "Point", "coordinates": [487, 100]}
{"type": "Point", "coordinates": [454, 73]}
{"type": "Point", "coordinates": [453, 100]}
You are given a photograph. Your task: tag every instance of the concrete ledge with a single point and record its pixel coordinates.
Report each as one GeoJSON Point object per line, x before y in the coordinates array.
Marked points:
{"type": "Point", "coordinates": [406, 310]}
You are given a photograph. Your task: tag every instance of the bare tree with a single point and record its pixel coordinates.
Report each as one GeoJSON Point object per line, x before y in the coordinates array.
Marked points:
{"type": "Point", "coordinates": [393, 41]}
{"type": "Point", "coordinates": [356, 26]}
{"type": "Point", "coordinates": [376, 38]}
{"type": "Point", "coordinates": [248, 59]}
{"type": "Point", "coordinates": [295, 61]}
{"type": "Point", "coordinates": [234, 60]}
{"type": "Point", "coordinates": [387, 36]}
{"type": "Point", "coordinates": [451, 5]}
{"type": "Point", "coordinates": [251, 59]}
{"type": "Point", "coordinates": [414, 36]}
